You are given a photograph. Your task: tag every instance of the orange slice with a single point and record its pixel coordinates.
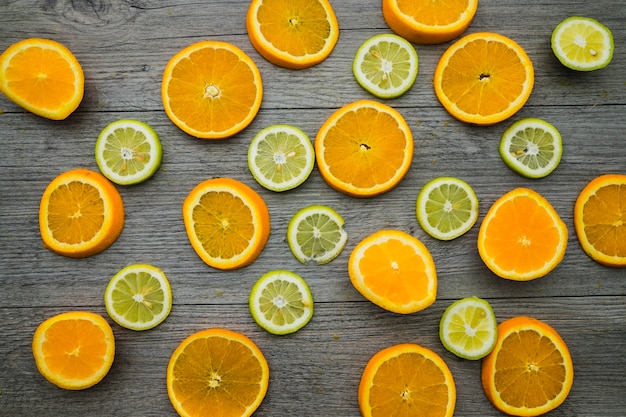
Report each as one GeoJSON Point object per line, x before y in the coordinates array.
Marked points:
{"type": "Point", "coordinates": [427, 21]}
{"type": "Point", "coordinates": [211, 89]}
{"type": "Point", "coordinates": [395, 271]}
{"type": "Point", "coordinates": [74, 350]}
{"type": "Point", "coordinates": [600, 219]}
{"type": "Point", "coordinates": [217, 372]}
{"type": "Point", "coordinates": [522, 237]}
{"type": "Point", "coordinates": [227, 223]}
{"type": "Point", "coordinates": [81, 214]}
{"type": "Point", "coordinates": [484, 78]}
{"type": "Point", "coordinates": [293, 34]}
{"type": "Point", "coordinates": [364, 149]}
{"type": "Point", "coordinates": [530, 371]}
{"type": "Point", "coordinates": [43, 77]}
{"type": "Point", "coordinates": [407, 380]}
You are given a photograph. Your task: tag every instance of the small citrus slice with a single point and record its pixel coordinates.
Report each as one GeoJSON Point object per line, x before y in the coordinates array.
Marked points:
{"type": "Point", "coordinates": [316, 233]}
{"type": "Point", "coordinates": [385, 65]}
{"type": "Point", "coordinates": [293, 34]}
{"type": "Point", "coordinates": [530, 371]}
{"type": "Point", "coordinates": [217, 369]}
{"type": "Point", "coordinates": [407, 380]}
{"type": "Point", "coordinates": [281, 302]}
{"type": "Point", "coordinates": [227, 222]}
{"type": "Point", "coordinates": [429, 22]}
{"type": "Point", "coordinates": [531, 147]}
{"type": "Point", "coordinates": [128, 152]}
{"type": "Point", "coordinates": [74, 350]}
{"type": "Point", "coordinates": [484, 78]}
{"type": "Point", "coordinates": [43, 77]}
{"type": "Point", "coordinates": [582, 43]}
{"type": "Point", "coordinates": [522, 237]}
{"type": "Point", "coordinates": [81, 214]}
{"type": "Point", "coordinates": [138, 297]}
{"type": "Point", "coordinates": [211, 89]}
{"type": "Point", "coordinates": [600, 219]}
{"type": "Point", "coordinates": [364, 149]}
{"type": "Point", "coordinates": [395, 271]}
{"type": "Point", "coordinates": [446, 208]}
{"type": "Point", "coordinates": [468, 328]}
{"type": "Point", "coordinates": [281, 157]}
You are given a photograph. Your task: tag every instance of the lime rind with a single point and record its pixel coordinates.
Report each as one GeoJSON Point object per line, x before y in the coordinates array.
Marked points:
{"type": "Point", "coordinates": [138, 297]}
{"type": "Point", "coordinates": [531, 147]}
{"type": "Point", "coordinates": [281, 302]}
{"type": "Point", "coordinates": [316, 233]}
{"type": "Point", "coordinates": [386, 66]}
{"type": "Point", "coordinates": [582, 43]}
{"type": "Point", "coordinates": [468, 328]}
{"type": "Point", "coordinates": [281, 157]}
{"type": "Point", "coordinates": [128, 152]}
{"type": "Point", "coordinates": [446, 208]}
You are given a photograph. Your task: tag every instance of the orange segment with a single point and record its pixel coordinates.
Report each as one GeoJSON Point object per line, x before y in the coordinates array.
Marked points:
{"type": "Point", "coordinates": [427, 21]}
{"type": "Point", "coordinates": [484, 78]}
{"type": "Point", "coordinates": [407, 380]}
{"type": "Point", "coordinates": [74, 350]}
{"type": "Point", "coordinates": [292, 33]}
{"type": "Point", "coordinates": [530, 371]}
{"type": "Point", "coordinates": [81, 214]}
{"type": "Point", "coordinates": [364, 149]}
{"type": "Point", "coordinates": [227, 223]}
{"type": "Point", "coordinates": [600, 219]}
{"type": "Point", "coordinates": [395, 271]}
{"type": "Point", "coordinates": [211, 89]}
{"type": "Point", "coordinates": [217, 372]}
{"type": "Point", "coordinates": [43, 77]}
{"type": "Point", "coordinates": [522, 237]}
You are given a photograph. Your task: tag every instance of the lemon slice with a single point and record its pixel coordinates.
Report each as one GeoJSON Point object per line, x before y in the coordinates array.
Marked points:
{"type": "Point", "coordinates": [386, 65]}
{"type": "Point", "coordinates": [582, 43]}
{"type": "Point", "coordinates": [138, 297]}
{"type": "Point", "coordinates": [531, 147]}
{"type": "Point", "coordinates": [468, 328]}
{"type": "Point", "coordinates": [316, 233]}
{"type": "Point", "coordinates": [128, 152]}
{"type": "Point", "coordinates": [281, 157]}
{"type": "Point", "coordinates": [281, 302]}
{"type": "Point", "coordinates": [446, 208]}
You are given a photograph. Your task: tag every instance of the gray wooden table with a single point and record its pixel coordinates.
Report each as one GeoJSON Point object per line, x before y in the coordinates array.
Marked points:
{"type": "Point", "coordinates": [124, 45]}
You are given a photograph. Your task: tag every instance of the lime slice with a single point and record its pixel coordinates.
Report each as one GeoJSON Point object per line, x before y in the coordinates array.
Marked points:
{"type": "Point", "coordinates": [446, 208]}
{"type": "Point", "coordinates": [128, 152]}
{"type": "Point", "coordinates": [582, 43]}
{"type": "Point", "coordinates": [138, 297]}
{"type": "Point", "coordinates": [316, 233]}
{"type": "Point", "coordinates": [281, 302]}
{"type": "Point", "coordinates": [468, 328]}
{"type": "Point", "coordinates": [531, 147]}
{"type": "Point", "coordinates": [281, 157]}
{"type": "Point", "coordinates": [385, 65]}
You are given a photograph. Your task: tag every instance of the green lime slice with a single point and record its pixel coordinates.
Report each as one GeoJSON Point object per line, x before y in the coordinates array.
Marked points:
{"type": "Point", "coordinates": [281, 302]}
{"type": "Point", "coordinates": [468, 328]}
{"type": "Point", "coordinates": [446, 208]}
{"type": "Point", "coordinates": [138, 297]}
{"type": "Point", "coordinates": [281, 157]}
{"type": "Point", "coordinates": [128, 152]}
{"type": "Point", "coordinates": [582, 43]}
{"type": "Point", "coordinates": [531, 147]}
{"type": "Point", "coordinates": [316, 233]}
{"type": "Point", "coordinates": [386, 65]}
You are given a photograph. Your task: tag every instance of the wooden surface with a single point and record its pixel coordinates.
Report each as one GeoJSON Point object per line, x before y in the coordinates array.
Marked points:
{"type": "Point", "coordinates": [123, 47]}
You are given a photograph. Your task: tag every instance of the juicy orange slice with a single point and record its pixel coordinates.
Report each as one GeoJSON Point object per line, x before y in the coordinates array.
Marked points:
{"type": "Point", "coordinates": [81, 214]}
{"type": "Point", "coordinates": [43, 77]}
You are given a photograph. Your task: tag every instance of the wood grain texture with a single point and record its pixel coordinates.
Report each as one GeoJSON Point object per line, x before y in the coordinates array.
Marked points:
{"type": "Point", "coordinates": [123, 47]}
